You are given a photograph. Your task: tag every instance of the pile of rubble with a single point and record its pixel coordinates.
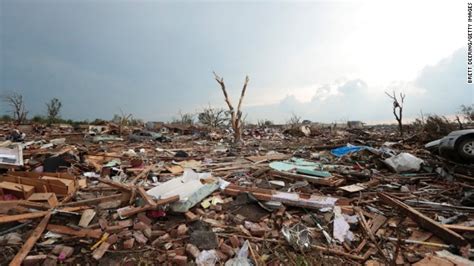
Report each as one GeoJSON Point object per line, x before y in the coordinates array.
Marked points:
{"type": "Point", "coordinates": [189, 196]}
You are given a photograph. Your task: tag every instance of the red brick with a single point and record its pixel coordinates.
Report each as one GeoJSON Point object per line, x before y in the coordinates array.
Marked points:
{"type": "Point", "coordinates": [182, 229]}
{"type": "Point", "coordinates": [66, 251]}
{"type": "Point", "coordinates": [125, 234]}
{"type": "Point", "coordinates": [128, 244]}
{"type": "Point", "coordinates": [190, 216]}
{"type": "Point", "coordinates": [140, 226]}
{"type": "Point", "coordinates": [226, 249]}
{"type": "Point", "coordinates": [200, 211]}
{"type": "Point", "coordinates": [157, 233]}
{"type": "Point", "coordinates": [180, 260]}
{"type": "Point", "coordinates": [112, 239]}
{"type": "Point", "coordinates": [140, 237]}
{"type": "Point", "coordinates": [192, 250]}
{"type": "Point", "coordinates": [143, 218]}
{"type": "Point", "coordinates": [234, 241]}
{"type": "Point", "coordinates": [164, 237]}
{"type": "Point", "coordinates": [222, 256]}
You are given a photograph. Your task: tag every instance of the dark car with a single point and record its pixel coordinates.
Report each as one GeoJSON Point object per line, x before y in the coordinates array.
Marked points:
{"type": "Point", "coordinates": [143, 135]}
{"type": "Point", "coordinates": [457, 145]}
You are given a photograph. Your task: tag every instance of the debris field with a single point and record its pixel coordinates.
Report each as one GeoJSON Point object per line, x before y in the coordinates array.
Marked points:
{"type": "Point", "coordinates": [186, 195]}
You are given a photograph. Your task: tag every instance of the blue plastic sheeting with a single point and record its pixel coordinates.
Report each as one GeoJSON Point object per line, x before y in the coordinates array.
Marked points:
{"type": "Point", "coordinates": [349, 148]}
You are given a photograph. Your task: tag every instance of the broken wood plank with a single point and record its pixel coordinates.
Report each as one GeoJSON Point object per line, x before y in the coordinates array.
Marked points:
{"type": "Point", "coordinates": [123, 196]}
{"type": "Point", "coordinates": [333, 251]}
{"type": "Point", "coordinates": [115, 184]}
{"type": "Point", "coordinates": [50, 198]}
{"type": "Point", "coordinates": [31, 241]}
{"type": "Point", "coordinates": [268, 157]}
{"type": "Point", "coordinates": [425, 222]}
{"type": "Point", "coordinates": [143, 174]}
{"type": "Point", "coordinates": [100, 251]}
{"type": "Point", "coordinates": [310, 201]}
{"type": "Point", "coordinates": [146, 197]}
{"type": "Point", "coordinates": [460, 228]}
{"type": "Point", "coordinates": [370, 234]}
{"type": "Point", "coordinates": [23, 216]}
{"type": "Point", "coordinates": [61, 229]}
{"type": "Point", "coordinates": [86, 217]}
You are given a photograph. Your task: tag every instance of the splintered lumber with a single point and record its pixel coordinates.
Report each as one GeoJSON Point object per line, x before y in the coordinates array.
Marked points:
{"type": "Point", "coordinates": [460, 228]}
{"type": "Point", "coordinates": [146, 197]}
{"type": "Point", "coordinates": [370, 234]}
{"type": "Point", "coordinates": [143, 174]}
{"type": "Point", "coordinates": [34, 205]}
{"type": "Point", "coordinates": [23, 216]}
{"type": "Point", "coordinates": [122, 196]}
{"type": "Point", "coordinates": [65, 230]}
{"type": "Point", "coordinates": [115, 184]}
{"type": "Point", "coordinates": [31, 241]}
{"type": "Point", "coordinates": [425, 222]}
{"type": "Point", "coordinates": [333, 251]}
{"type": "Point", "coordinates": [86, 217]}
{"type": "Point", "coordinates": [99, 252]}
{"type": "Point", "coordinates": [268, 157]}
{"type": "Point", "coordinates": [310, 201]}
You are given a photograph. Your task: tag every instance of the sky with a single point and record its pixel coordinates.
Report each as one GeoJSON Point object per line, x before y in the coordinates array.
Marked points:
{"type": "Point", "coordinates": [325, 61]}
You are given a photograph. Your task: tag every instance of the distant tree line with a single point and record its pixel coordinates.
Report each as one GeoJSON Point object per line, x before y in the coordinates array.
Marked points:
{"type": "Point", "coordinates": [215, 117]}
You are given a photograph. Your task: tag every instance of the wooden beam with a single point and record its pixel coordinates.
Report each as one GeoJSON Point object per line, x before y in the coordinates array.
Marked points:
{"type": "Point", "coordinates": [333, 251]}
{"type": "Point", "coordinates": [61, 229]}
{"type": "Point", "coordinates": [146, 197]}
{"type": "Point", "coordinates": [23, 216]}
{"type": "Point", "coordinates": [460, 228]}
{"type": "Point", "coordinates": [304, 200]}
{"type": "Point", "coordinates": [446, 234]}
{"type": "Point", "coordinates": [31, 241]}
{"type": "Point", "coordinates": [143, 174]}
{"type": "Point", "coordinates": [115, 184]}
{"type": "Point", "coordinates": [94, 201]}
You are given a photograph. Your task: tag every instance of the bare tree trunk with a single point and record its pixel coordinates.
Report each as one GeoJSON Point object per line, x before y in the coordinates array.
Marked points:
{"type": "Point", "coordinates": [398, 106]}
{"type": "Point", "coordinates": [235, 116]}
{"type": "Point", "coordinates": [17, 106]}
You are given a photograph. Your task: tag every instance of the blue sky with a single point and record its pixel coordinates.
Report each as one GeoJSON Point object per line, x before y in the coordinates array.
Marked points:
{"type": "Point", "coordinates": [326, 61]}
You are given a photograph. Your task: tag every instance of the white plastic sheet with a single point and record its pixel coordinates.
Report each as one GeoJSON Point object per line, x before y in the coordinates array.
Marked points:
{"type": "Point", "coordinates": [404, 162]}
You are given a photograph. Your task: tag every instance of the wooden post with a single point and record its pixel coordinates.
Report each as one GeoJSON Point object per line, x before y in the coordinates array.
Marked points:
{"type": "Point", "coordinates": [31, 241]}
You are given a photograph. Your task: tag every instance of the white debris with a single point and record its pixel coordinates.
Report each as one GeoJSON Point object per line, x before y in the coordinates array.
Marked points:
{"type": "Point", "coordinates": [404, 162]}
{"type": "Point", "coordinates": [341, 230]}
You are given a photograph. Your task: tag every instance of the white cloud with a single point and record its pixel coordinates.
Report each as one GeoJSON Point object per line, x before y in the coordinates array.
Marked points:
{"type": "Point", "coordinates": [440, 88]}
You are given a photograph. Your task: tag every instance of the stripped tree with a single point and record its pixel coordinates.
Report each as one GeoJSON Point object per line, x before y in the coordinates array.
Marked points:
{"type": "Point", "coordinates": [235, 115]}
{"type": "Point", "coordinates": [122, 120]}
{"type": "Point", "coordinates": [53, 108]}
{"type": "Point", "coordinates": [17, 105]}
{"type": "Point", "coordinates": [398, 109]}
